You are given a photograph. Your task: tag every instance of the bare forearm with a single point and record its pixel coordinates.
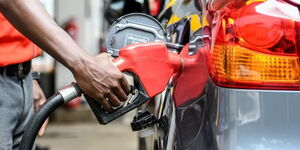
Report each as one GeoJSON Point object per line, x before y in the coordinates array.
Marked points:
{"type": "Point", "coordinates": [30, 18]}
{"type": "Point", "coordinates": [95, 75]}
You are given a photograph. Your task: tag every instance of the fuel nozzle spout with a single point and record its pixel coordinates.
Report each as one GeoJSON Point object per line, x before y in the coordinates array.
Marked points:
{"type": "Point", "coordinates": [152, 63]}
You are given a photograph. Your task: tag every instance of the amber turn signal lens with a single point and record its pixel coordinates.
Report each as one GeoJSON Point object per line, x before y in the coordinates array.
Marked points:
{"type": "Point", "coordinates": [239, 64]}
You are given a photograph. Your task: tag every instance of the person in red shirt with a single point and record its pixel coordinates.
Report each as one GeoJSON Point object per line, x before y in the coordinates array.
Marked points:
{"type": "Point", "coordinates": [95, 75]}
{"type": "Point", "coordinates": [14, 46]}
{"type": "Point", "coordinates": [16, 50]}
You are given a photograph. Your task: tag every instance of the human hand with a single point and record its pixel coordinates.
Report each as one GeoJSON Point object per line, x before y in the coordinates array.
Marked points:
{"type": "Point", "coordinates": [100, 79]}
{"type": "Point", "coordinates": [39, 100]}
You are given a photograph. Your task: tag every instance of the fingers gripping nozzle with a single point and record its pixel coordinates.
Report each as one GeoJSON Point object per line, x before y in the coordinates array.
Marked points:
{"type": "Point", "coordinates": [152, 65]}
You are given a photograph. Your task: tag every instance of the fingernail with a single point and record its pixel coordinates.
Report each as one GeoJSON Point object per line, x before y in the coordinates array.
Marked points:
{"type": "Point", "coordinates": [110, 109]}
{"type": "Point", "coordinates": [125, 99]}
{"type": "Point", "coordinates": [40, 133]}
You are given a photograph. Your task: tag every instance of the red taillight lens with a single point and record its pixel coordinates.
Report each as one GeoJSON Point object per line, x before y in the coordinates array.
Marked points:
{"type": "Point", "coordinates": [251, 49]}
{"type": "Point", "coordinates": [257, 30]}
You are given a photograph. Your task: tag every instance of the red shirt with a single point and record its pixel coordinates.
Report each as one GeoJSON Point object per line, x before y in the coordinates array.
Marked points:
{"type": "Point", "coordinates": [14, 47]}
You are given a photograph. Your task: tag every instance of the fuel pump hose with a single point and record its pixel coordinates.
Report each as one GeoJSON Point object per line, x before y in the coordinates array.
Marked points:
{"type": "Point", "coordinates": [62, 96]}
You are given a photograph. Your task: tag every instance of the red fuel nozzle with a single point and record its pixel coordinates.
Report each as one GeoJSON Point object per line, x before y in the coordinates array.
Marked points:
{"type": "Point", "coordinates": [151, 62]}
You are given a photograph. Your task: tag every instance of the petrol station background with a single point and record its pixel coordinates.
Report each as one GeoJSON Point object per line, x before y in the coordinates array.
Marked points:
{"type": "Point", "coordinates": [228, 75]}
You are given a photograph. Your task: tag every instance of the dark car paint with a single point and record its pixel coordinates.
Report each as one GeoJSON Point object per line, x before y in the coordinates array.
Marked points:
{"type": "Point", "coordinates": [235, 119]}
{"type": "Point", "coordinates": [231, 119]}
{"type": "Point", "coordinates": [222, 118]}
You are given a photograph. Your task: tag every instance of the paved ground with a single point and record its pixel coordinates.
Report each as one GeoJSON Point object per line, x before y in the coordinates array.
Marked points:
{"type": "Point", "coordinates": [89, 136]}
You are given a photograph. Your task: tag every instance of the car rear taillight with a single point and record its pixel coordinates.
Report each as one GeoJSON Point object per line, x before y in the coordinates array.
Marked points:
{"type": "Point", "coordinates": [252, 49]}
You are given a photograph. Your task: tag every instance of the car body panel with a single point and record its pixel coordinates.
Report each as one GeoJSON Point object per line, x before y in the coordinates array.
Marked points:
{"type": "Point", "coordinates": [220, 118]}
{"type": "Point", "coordinates": [254, 119]}
{"type": "Point", "coordinates": [237, 119]}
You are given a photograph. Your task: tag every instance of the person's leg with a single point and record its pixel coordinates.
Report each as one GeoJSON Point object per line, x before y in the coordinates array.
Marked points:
{"type": "Point", "coordinates": [11, 108]}
{"type": "Point", "coordinates": [27, 113]}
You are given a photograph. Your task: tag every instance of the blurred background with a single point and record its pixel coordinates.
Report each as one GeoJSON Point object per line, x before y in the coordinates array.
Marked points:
{"type": "Point", "coordinates": [73, 126]}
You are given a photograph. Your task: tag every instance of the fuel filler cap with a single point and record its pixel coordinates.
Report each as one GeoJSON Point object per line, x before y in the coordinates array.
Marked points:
{"type": "Point", "coordinates": [133, 28]}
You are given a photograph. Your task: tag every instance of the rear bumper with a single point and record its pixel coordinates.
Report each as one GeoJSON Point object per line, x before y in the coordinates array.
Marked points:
{"type": "Point", "coordinates": [253, 119]}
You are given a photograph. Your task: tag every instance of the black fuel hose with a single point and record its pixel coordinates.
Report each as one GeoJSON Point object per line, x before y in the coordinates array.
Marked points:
{"type": "Point", "coordinates": [44, 112]}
